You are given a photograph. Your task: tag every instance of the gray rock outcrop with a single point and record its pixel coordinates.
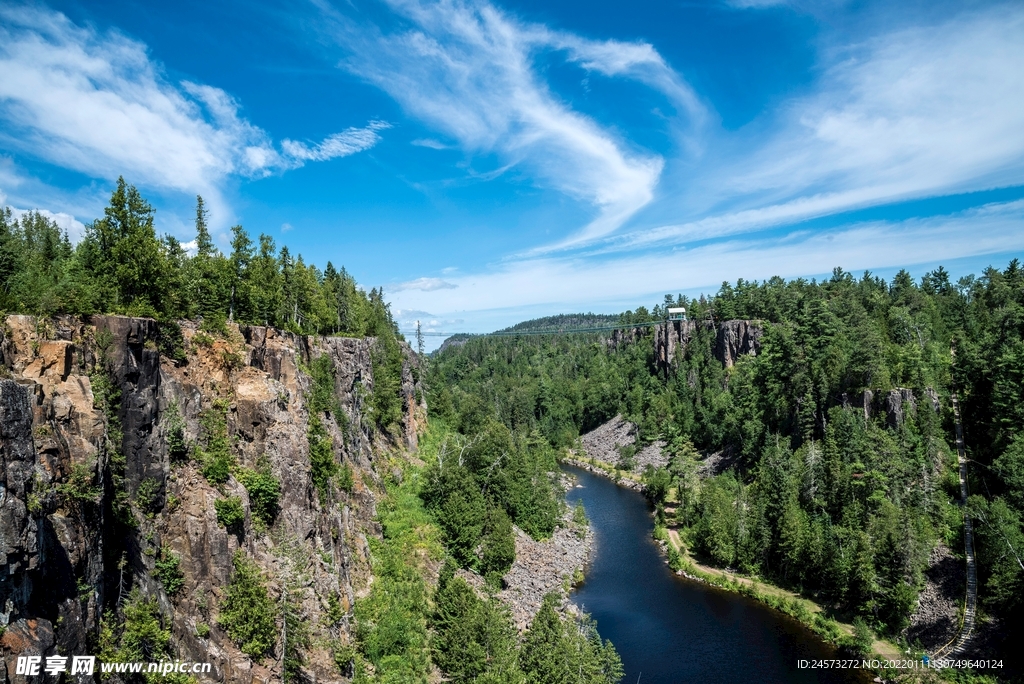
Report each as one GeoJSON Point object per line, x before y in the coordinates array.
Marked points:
{"type": "Point", "coordinates": [733, 339]}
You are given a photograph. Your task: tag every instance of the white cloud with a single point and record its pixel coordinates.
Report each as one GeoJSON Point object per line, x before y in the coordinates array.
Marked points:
{"type": "Point", "coordinates": [912, 113]}
{"type": "Point", "coordinates": [74, 228]}
{"type": "Point", "coordinates": [585, 283]}
{"type": "Point", "coordinates": [429, 142]}
{"type": "Point", "coordinates": [96, 103]}
{"type": "Point", "coordinates": [286, 227]}
{"type": "Point", "coordinates": [424, 285]}
{"type": "Point", "coordinates": [406, 319]}
{"type": "Point", "coordinates": [467, 69]}
{"type": "Point", "coordinates": [342, 144]}
{"type": "Point", "coordinates": [917, 112]}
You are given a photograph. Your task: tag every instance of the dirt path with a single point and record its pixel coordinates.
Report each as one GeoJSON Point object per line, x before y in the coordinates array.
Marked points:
{"type": "Point", "coordinates": [957, 644]}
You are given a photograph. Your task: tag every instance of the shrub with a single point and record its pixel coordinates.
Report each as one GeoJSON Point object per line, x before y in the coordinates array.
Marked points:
{"type": "Point", "coordinates": [345, 480]}
{"type": "Point", "coordinates": [147, 496]}
{"type": "Point", "coordinates": [863, 637]}
{"type": "Point", "coordinates": [139, 633]}
{"type": "Point", "coordinates": [177, 444]}
{"type": "Point", "coordinates": [79, 485]}
{"type": "Point", "coordinates": [321, 456]}
{"type": "Point", "coordinates": [264, 493]}
{"type": "Point", "coordinates": [168, 572]}
{"type": "Point", "coordinates": [170, 341]}
{"type": "Point", "coordinates": [230, 513]}
{"type": "Point", "coordinates": [216, 458]}
{"type": "Point", "coordinates": [247, 613]}
{"type": "Point", "coordinates": [202, 339]}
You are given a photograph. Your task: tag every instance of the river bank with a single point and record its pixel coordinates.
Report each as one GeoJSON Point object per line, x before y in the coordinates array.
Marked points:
{"type": "Point", "coordinates": [668, 629]}
{"type": "Point", "coordinates": [541, 567]}
{"type": "Point", "coordinates": [677, 557]}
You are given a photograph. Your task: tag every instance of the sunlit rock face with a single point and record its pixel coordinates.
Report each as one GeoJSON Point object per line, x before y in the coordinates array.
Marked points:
{"type": "Point", "coordinates": [87, 412]}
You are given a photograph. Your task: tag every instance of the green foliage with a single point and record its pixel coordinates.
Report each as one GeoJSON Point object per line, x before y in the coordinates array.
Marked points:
{"type": "Point", "coordinates": [247, 613]}
{"type": "Point", "coordinates": [562, 650]}
{"type": "Point", "coordinates": [264, 493]}
{"type": "Point", "coordinates": [138, 634]}
{"type": "Point", "coordinates": [474, 639]}
{"type": "Point", "coordinates": [386, 400]}
{"type": "Point", "coordinates": [202, 630]}
{"type": "Point", "coordinates": [322, 397]}
{"type": "Point", "coordinates": [816, 494]}
{"type": "Point", "coordinates": [122, 266]}
{"type": "Point", "coordinates": [469, 480]}
{"type": "Point", "coordinates": [230, 513]}
{"type": "Point", "coordinates": [177, 444]}
{"type": "Point", "coordinates": [863, 637]}
{"type": "Point", "coordinates": [579, 516]}
{"type": "Point", "coordinates": [147, 496]}
{"type": "Point", "coordinates": [499, 543]}
{"type": "Point", "coordinates": [168, 572]}
{"type": "Point", "coordinates": [657, 482]}
{"type": "Point", "coordinates": [107, 397]}
{"type": "Point", "coordinates": [215, 455]}
{"type": "Point", "coordinates": [344, 479]}
{"type": "Point", "coordinates": [322, 401]}
{"type": "Point", "coordinates": [322, 463]}
{"type": "Point", "coordinates": [202, 339]}
{"type": "Point", "coordinates": [79, 485]}
{"type": "Point", "coordinates": [999, 534]}
{"type": "Point", "coordinates": [391, 622]}
{"type": "Point", "coordinates": [171, 341]}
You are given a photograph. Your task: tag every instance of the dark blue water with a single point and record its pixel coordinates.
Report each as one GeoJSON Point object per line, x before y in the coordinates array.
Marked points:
{"type": "Point", "coordinates": [670, 629]}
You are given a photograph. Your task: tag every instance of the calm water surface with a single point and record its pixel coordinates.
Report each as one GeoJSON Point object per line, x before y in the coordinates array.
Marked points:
{"type": "Point", "coordinates": [670, 629]}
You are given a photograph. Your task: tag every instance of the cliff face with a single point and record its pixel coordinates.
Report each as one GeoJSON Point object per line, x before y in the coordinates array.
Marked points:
{"type": "Point", "coordinates": [91, 413]}
{"type": "Point", "coordinates": [732, 339]}
{"type": "Point", "coordinates": [896, 404]}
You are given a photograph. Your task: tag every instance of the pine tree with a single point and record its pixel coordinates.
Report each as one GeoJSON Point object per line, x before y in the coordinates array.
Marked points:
{"type": "Point", "coordinates": [241, 305]}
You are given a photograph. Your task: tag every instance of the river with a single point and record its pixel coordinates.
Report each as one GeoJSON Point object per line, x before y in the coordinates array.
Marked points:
{"type": "Point", "coordinates": [670, 629]}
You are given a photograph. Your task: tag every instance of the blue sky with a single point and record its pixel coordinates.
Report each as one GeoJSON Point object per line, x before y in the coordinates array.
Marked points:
{"type": "Point", "coordinates": [488, 162]}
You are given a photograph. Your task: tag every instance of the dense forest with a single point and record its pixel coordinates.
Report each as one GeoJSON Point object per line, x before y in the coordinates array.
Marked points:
{"type": "Point", "coordinates": [816, 496]}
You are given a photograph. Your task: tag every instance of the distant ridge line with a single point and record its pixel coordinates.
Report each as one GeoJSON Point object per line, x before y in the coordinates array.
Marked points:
{"type": "Point", "coordinates": [553, 331]}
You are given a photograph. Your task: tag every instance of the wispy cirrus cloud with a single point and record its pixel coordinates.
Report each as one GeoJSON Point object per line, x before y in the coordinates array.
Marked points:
{"type": "Point", "coordinates": [349, 141]}
{"type": "Point", "coordinates": [469, 70]}
{"type": "Point", "coordinates": [917, 112]}
{"type": "Point", "coordinates": [589, 282]}
{"type": "Point", "coordinates": [96, 103]}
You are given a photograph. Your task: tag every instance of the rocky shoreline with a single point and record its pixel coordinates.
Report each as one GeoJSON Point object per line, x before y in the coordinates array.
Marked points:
{"type": "Point", "coordinates": [607, 442]}
{"type": "Point", "coordinates": [541, 567]}
{"type": "Point", "coordinates": [597, 470]}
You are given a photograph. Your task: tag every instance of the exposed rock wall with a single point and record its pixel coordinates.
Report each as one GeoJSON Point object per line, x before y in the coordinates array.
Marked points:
{"type": "Point", "coordinates": [732, 339]}
{"type": "Point", "coordinates": [737, 338]}
{"type": "Point", "coordinates": [65, 557]}
{"type": "Point", "coordinates": [897, 404]}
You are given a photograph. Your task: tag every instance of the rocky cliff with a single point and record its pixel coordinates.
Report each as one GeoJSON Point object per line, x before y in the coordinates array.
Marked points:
{"type": "Point", "coordinates": [732, 339]}
{"type": "Point", "coordinates": [100, 425]}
